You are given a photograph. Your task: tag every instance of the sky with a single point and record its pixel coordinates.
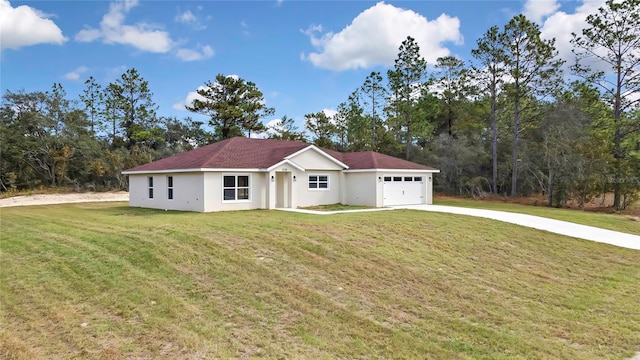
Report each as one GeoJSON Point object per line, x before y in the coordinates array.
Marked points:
{"type": "Point", "coordinates": [305, 56]}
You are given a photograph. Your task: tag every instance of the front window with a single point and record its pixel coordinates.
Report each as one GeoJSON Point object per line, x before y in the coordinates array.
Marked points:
{"type": "Point", "coordinates": [150, 186]}
{"type": "Point", "coordinates": [170, 187]}
{"type": "Point", "coordinates": [318, 182]}
{"type": "Point", "coordinates": [235, 187]}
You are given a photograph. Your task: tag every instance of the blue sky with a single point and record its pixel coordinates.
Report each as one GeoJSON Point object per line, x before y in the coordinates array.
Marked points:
{"type": "Point", "coordinates": [305, 56]}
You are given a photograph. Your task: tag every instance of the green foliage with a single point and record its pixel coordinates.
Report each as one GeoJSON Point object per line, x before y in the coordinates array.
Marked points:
{"type": "Point", "coordinates": [285, 129]}
{"type": "Point", "coordinates": [534, 70]}
{"type": "Point", "coordinates": [322, 129]}
{"type": "Point", "coordinates": [131, 106]}
{"type": "Point", "coordinates": [233, 105]}
{"type": "Point", "coordinates": [612, 40]}
{"type": "Point", "coordinates": [407, 84]}
{"type": "Point", "coordinates": [47, 139]}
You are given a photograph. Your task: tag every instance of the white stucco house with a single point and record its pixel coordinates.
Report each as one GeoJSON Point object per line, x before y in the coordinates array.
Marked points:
{"type": "Point", "coordinates": [242, 173]}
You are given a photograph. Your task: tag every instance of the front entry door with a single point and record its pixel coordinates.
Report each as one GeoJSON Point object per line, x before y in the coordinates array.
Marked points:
{"type": "Point", "coordinates": [283, 189]}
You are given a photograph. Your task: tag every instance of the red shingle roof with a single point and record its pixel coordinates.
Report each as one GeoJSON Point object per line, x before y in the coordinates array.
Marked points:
{"type": "Point", "coordinates": [245, 153]}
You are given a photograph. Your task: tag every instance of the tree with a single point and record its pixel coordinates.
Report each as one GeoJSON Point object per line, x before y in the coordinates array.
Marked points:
{"type": "Point", "coordinates": [612, 41]}
{"type": "Point", "coordinates": [232, 105]}
{"type": "Point", "coordinates": [131, 102]}
{"type": "Point", "coordinates": [93, 99]}
{"type": "Point", "coordinates": [374, 94]}
{"type": "Point", "coordinates": [491, 56]}
{"type": "Point", "coordinates": [451, 84]}
{"type": "Point", "coordinates": [406, 81]}
{"type": "Point", "coordinates": [533, 69]}
{"type": "Point", "coordinates": [285, 129]}
{"type": "Point", "coordinates": [322, 128]}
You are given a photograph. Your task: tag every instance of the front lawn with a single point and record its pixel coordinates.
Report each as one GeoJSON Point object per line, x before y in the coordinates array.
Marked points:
{"type": "Point", "coordinates": [105, 281]}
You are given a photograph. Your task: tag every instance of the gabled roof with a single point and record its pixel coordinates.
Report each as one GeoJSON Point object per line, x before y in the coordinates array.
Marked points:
{"type": "Point", "coordinates": [374, 160]}
{"type": "Point", "coordinates": [246, 153]}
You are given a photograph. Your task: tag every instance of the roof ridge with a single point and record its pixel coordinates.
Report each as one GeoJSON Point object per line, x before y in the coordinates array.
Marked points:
{"type": "Point", "coordinates": [375, 158]}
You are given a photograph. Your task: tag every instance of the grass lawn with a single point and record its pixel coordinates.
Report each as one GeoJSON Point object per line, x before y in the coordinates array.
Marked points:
{"type": "Point", "coordinates": [337, 207]}
{"type": "Point", "coordinates": [105, 281]}
{"type": "Point", "coordinates": [624, 223]}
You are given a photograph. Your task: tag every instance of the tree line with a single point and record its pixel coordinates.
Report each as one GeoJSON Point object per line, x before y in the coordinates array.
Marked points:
{"type": "Point", "coordinates": [507, 122]}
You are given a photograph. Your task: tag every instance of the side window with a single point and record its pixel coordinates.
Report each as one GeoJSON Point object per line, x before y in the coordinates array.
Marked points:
{"type": "Point", "coordinates": [235, 187]}
{"type": "Point", "coordinates": [150, 186]}
{"type": "Point", "coordinates": [170, 187]}
{"type": "Point", "coordinates": [318, 182]}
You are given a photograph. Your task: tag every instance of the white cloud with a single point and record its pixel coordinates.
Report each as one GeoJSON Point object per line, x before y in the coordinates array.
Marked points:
{"type": "Point", "coordinates": [142, 36]}
{"type": "Point", "coordinates": [186, 17]}
{"type": "Point", "coordinates": [374, 36]}
{"type": "Point", "coordinates": [188, 101]}
{"type": "Point", "coordinates": [330, 112]}
{"type": "Point", "coordinates": [26, 26]}
{"type": "Point", "coordinates": [75, 74]}
{"type": "Point", "coordinates": [560, 25]}
{"type": "Point", "coordinates": [205, 52]}
{"type": "Point", "coordinates": [536, 10]}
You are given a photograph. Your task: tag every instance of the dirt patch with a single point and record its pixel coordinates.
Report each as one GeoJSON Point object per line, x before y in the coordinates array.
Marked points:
{"type": "Point", "coordinates": [50, 199]}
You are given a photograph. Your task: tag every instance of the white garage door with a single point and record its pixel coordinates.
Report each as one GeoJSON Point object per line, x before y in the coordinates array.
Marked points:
{"type": "Point", "coordinates": [403, 190]}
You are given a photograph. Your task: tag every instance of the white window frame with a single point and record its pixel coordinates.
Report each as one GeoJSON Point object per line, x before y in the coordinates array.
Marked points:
{"type": "Point", "coordinates": [236, 188]}
{"type": "Point", "coordinates": [318, 182]}
{"type": "Point", "coordinates": [150, 187]}
{"type": "Point", "coordinates": [170, 192]}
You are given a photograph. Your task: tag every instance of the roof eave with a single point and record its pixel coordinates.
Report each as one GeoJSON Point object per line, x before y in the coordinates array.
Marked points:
{"type": "Point", "coordinates": [322, 153]}
{"type": "Point", "coordinates": [393, 170]}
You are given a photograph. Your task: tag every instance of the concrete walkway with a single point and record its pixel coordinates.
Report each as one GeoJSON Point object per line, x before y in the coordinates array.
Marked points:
{"type": "Point", "coordinates": [584, 232]}
{"type": "Point", "coordinates": [555, 226]}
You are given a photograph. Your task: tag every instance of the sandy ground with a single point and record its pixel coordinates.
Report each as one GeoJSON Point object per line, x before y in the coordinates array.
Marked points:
{"type": "Point", "coordinates": [48, 199]}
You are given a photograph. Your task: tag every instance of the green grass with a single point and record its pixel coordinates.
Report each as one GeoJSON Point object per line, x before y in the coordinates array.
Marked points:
{"type": "Point", "coordinates": [105, 281]}
{"type": "Point", "coordinates": [336, 207]}
{"type": "Point", "coordinates": [617, 222]}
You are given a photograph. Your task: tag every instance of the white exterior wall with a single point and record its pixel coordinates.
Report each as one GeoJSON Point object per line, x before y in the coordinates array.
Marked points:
{"type": "Point", "coordinates": [362, 189]}
{"type": "Point", "coordinates": [311, 159]}
{"type": "Point", "coordinates": [213, 192]}
{"type": "Point", "coordinates": [303, 196]}
{"type": "Point", "coordinates": [187, 191]}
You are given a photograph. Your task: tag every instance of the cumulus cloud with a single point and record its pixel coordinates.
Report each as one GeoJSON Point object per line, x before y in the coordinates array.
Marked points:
{"type": "Point", "coordinates": [374, 36]}
{"type": "Point", "coordinates": [75, 74]}
{"type": "Point", "coordinates": [186, 17]}
{"type": "Point", "coordinates": [142, 36]}
{"type": "Point", "coordinates": [188, 101]}
{"type": "Point", "coordinates": [536, 10]}
{"type": "Point", "coordinates": [25, 26]}
{"type": "Point", "coordinates": [204, 52]}
{"type": "Point", "coordinates": [560, 25]}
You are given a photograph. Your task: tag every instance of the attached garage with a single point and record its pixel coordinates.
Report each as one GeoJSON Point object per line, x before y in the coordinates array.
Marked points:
{"type": "Point", "coordinates": [403, 190]}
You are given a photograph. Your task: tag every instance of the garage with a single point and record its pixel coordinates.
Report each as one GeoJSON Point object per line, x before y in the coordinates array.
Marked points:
{"type": "Point", "coordinates": [403, 190]}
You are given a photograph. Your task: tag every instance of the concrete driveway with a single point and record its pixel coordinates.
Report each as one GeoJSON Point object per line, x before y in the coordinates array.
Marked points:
{"type": "Point", "coordinates": [555, 226]}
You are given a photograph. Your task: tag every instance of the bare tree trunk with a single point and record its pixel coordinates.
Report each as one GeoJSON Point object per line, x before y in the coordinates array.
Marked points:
{"type": "Point", "coordinates": [516, 130]}
{"type": "Point", "coordinates": [494, 140]}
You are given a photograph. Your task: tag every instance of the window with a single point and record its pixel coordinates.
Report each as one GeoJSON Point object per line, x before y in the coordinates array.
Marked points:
{"type": "Point", "coordinates": [170, 187]}
{"type": "Point", "coordinates": [417, 178]}
{"type": "Point", "coordinates": [387, 178]}
{"type": "Point", "coordinates": [318, 182]}
{"type": "Point", "coordinates": [235, 187]}
{"type": "Point", "coordinates": [150, 186]}
{"type": "Point", "coordinates": [397, 178]}
{"type": "Point", "coordinates": [408, 178]}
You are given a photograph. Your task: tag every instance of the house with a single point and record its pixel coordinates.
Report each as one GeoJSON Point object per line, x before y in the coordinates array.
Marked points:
{"type": "Point", "coordinates": [242, 173]}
